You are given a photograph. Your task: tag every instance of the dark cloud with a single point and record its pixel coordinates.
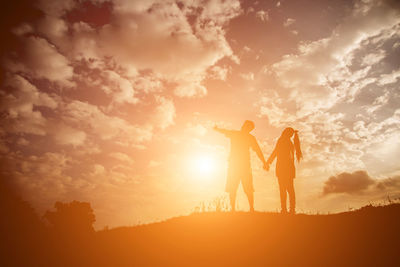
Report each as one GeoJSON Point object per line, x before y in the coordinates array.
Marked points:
{"type": "Point", "coordinates": [359, 182]}
{"type": "Point", "coordinates": [389, 183]}
{"type": "Point", "coordinates": [351, 183]}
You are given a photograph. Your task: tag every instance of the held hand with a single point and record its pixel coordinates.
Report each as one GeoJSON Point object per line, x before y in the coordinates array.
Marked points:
{"type": "Point", "coordinates": [216, 128]}
{"type": "Point", "coordinates": [266, 166]}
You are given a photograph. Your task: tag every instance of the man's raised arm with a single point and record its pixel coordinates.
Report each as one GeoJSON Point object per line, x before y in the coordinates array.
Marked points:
{"type": "Point", "coordinates": [225, 132]}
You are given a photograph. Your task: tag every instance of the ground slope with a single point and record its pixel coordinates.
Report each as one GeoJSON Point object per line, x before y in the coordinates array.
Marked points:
{"type": "Point", "coordinates": [367, 237]}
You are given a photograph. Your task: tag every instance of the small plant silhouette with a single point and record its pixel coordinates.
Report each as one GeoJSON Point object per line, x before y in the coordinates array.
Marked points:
{"type": "Point", "coordinates": [218, 204]}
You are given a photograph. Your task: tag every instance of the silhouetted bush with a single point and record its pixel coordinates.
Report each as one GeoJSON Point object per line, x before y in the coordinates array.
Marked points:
{"type": "Point", "coordinates": [76, 217]}
{"type": "Point", "coordinates": [21, 230]}
{"type": "Point", "coordinates": [15, 211]}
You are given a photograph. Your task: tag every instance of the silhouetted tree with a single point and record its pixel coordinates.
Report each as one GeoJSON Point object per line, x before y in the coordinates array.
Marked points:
{"type": "Point", "coordinates": [76, 217]}
{"type": "Point", "coordinates": [21, 230]}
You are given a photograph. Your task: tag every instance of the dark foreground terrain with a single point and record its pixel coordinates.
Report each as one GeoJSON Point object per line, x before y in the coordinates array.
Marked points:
{"type": "Point", "coordinates": [366, 237]}
{"type": "Point", "coordinates": [370, 236]}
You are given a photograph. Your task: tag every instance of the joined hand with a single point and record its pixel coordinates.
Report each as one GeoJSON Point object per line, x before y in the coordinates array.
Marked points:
{"type": "Point", "coordinates": [266, 166]}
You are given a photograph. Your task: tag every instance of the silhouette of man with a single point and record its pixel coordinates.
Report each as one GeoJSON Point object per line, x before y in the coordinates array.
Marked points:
{"type": "Point", "coordinates": [239, 167]}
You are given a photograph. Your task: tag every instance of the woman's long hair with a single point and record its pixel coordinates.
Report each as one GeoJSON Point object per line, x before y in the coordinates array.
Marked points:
{"type": "Point", "coordinates": [299, 154]}
{"type": "Point", "coordinates": [287, 134]}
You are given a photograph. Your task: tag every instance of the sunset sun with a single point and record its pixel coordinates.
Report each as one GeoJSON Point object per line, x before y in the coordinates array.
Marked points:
{"type": "Point", "coordinates": [203, 166]}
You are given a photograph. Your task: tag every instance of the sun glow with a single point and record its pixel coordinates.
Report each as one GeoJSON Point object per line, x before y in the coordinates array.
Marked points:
{"type": "Point", "coordinates": [203, 166]}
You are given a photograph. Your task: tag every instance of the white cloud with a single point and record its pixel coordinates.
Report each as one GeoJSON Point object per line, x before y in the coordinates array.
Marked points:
{"type": "Point", "coordinates": [218, 73]}
{"type": "Point", "coordinates": [157, 36]}
{"type": "Point", "coordinates": [105, 126]}
{"type": "Point", "coordinates": [378, 103]}
{"type": "Point", "coordinates": [122, 157]}
{"type": "Point", "coordinates": [247, 76]}
{"type": "Point", "coordinates": [389, 78]}
{"type": "Point", "coordinates": [289, 22]}
{"type": "Point", "coordinates": [56, 8]}
{"type": "Point", "coordinates": [190, 90]}
{"type": "Point", "coordinates": [195, 129]}
{"type": "Point", "coordinates": [373, 58]}
{"type": "Point", "coordinates": [148, 84]}
{"type": "Point", "coordinates": [262, 15]}
{"type": "Point", "coordinates": [311, 73]}
{"type": "Point", "coordinates": [42, 61]}
{"type": "Point", "coordinates": [165, 112]}
{"type": "Point", "coordinates": [165, 42]}
{"type": "Point", "coordinates": [66, 135]}
{"type": "Point", "coordinates": [119, 88]}
{"type": "Point", "coordinates": [23, 29]}
{"type": "Point", "coordinates": [20, 104]}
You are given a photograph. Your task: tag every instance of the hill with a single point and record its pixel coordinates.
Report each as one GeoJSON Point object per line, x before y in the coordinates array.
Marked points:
{"type": "Point", "coordinates": [366, 237]}
{"type": "Point", "coordinates": [369, 236]}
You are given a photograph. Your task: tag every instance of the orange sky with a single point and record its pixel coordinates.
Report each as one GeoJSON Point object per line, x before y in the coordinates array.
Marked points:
{"type": "Point", "coordinates": [113, 102]}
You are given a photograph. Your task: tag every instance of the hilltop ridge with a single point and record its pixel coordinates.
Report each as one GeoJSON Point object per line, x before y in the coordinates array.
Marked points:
{"type": "Point", "coordinates": [369, 236]}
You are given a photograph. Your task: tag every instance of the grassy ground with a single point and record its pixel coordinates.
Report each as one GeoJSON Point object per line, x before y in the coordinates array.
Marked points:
{"type": "Point", "coordinates": [366, 237]}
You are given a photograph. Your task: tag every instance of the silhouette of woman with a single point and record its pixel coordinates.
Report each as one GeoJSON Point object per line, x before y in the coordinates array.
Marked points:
{"type": "Point", "coordinates": [285, 170]}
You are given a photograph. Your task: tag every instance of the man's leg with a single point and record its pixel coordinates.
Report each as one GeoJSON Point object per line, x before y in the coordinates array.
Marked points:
{"type": "Point", "coordinates": [250, 198]}
{"type": "Point", "coordinates": [282, 192]}
{"type": "Point", "coordinates": [292, 196]}
{"type": "Point", "coordinates": [232, 198]}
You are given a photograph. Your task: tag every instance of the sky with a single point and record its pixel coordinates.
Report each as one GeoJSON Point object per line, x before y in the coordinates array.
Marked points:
{"type": "Point", "coordinates": [113, 102]}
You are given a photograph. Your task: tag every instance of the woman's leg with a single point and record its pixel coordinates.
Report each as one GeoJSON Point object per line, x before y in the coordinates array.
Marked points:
{"type": "Point", "coordinates": [282, 191]}
{"type": "Point", "coordinates": [232, 198]}
{"type": "Point", "coordinates": [250, 198]}
{"type": "Point", "coordinates": [292, 195]}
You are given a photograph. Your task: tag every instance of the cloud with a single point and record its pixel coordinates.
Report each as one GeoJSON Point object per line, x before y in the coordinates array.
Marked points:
{"type": "Point", "coordinates": [389, 78]}
{"type": "Point", "coordinates": [373, 58]}
{"type": "Point", "coordinates": [340, 92]}
{"type": "Point", "coordinates": [190, 90]}
{"type": "Point", "coordinates": [262, 15]}
{"type": "Point", "coordinates": [122, 157]}
{"type": "Point", "coordinates": [104, 126]}
{"type": "Point", "coordinates": [41, 178]}
{"type": "Point", "coordinates": [21, 104]}
{"type": "Point", "coordinates": [165, 112]}
{"type": "Point", "coordinates": [247, 76]}
{"type": "Point", "coordinates": [351, 183]}
{"type": "Point", "coordinates": [148, 84]}
{"type": "Point", "coordinates": [289, 22]}
{"type": "Point", "coordinates": [120, 89]}
{"type": "Point", "coordinates": [218, 73]}
{"type": "Point", "coordinates": [56, 9]}
{"type": "Point", "coordinates": [177, 43]}
{"type": "Point", "coordinates": [41, 60]}
{"type": "Point", "coordinates": [66, 135]}
{"type": "Point", "coordinates": [195, 129]}
{"type": "Point", "coordinates": [389, 184]}
{"type": "Point", "coordinates": [359, 182]}
{"type": "Point", "coordinates": [320, 74]}
{"type": "Point", "coordinates": [154, 164]}
{"type": "Point", "coordinates": [164, 41]}
{"type": "Point", "coordinates": [378, 103]}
